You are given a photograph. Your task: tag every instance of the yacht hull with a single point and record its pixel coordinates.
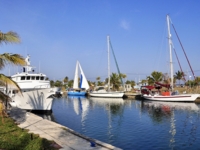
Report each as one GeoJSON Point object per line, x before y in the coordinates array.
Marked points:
{"type": "Point", "coordinates": [107, 94]}
{"type": "Point", "coordinates": [34, 100]}
{"type": "Point", "coordinates": [173, 98]}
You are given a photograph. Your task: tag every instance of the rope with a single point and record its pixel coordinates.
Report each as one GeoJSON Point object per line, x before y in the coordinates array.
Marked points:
{"type": "Point", "coordinates": [116, 64]}
{"type": "Point", "coordinates": [183, 49]}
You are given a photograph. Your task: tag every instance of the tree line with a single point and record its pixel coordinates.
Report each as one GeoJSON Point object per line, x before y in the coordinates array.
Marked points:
{"type": "Point", "coordinates": [178, 77]}
{"type": "Point", "coordinates": [114, 81]}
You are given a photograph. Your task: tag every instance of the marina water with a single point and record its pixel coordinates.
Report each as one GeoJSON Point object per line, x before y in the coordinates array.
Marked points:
{"type": "Point", "coordinates": [132, 124]}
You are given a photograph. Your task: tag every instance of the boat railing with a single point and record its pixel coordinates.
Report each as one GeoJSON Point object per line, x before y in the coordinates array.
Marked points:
{"type": "Point", "coordinates": [42, 86]}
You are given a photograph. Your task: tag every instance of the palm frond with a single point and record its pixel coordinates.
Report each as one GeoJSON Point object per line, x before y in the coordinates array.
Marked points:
{"type": "Point", "coordinates": [7, 81]}
{"type": "Point", "coordinates": [2, 83]}
{"type": "Point", "coordinates": [3, 96]}
{"type": "Point", "coordinates": [9, 37]}
{"type": "Point", "coordinates": [2, 64]}
{"type": "Point", "coordinates": [15, 59]}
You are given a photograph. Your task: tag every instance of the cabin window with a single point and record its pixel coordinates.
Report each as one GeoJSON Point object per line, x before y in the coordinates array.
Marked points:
{"type": "Point", "coordinates": [15, 91]}
{"type": "Point", "coordinates": [37, 78]}
{"type": "Point", "coordinates": [28, 78]}
{"type": "Point", "coordinates": [41, 78]}
{"type": "Point", "coordinates": [23, 78]}
{"type": "Point", "coordinates": [33, 78]}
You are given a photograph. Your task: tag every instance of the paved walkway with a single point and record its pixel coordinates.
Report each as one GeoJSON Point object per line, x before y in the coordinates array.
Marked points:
{"type": "Point", "coordinates": [63, 136]}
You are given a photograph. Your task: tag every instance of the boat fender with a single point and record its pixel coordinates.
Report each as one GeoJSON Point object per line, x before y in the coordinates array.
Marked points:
{"type": "Point", "coordinates": [92, 144]}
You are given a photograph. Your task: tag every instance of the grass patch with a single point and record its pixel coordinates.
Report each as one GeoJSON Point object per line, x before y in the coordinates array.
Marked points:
{"type": "Point", "coordinates": [14, 138]}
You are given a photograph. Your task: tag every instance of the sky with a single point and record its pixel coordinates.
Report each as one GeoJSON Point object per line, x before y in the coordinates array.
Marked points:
{"type": "Point", "coordinates": [56, 34]}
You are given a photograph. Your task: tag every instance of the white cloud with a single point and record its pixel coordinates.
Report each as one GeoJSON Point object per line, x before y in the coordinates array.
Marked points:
{"type": "Point", "coordinates": [125, 25]}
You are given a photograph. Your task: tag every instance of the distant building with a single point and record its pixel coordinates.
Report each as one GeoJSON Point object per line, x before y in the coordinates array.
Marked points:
{"type": "Point", "coordinates": [138, 85]}
{"type": "Point", "coordinates": [127, 87]}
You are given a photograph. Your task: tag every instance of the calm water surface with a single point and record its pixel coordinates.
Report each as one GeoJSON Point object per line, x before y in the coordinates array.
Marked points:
{"type": "Point", "coordinates": [132, 124]}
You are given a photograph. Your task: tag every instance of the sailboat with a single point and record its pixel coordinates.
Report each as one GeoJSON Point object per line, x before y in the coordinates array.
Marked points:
{"type": "Point", "coordinates": [168, 96]}
{"type": "Point", "coordinates": [102, 92]}
{"type": "Point", "coordinates": [79, 89]}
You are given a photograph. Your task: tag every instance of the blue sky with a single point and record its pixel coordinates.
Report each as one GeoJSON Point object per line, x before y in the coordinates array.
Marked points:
{"type": "Point", "coordinates": [58, 33]}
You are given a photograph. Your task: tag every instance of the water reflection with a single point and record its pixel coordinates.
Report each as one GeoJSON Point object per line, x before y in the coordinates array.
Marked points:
{"type": "Point", "coordinates": [103, 101]}
{"type": "Point", "coordinates": [113, 105]}
{"type": "Point", "coordinates": [167, 106]}
{"type": "Point", "coordinates": [81, 105]}
{"type": "Point", "coordinates": [48, 116]}
{"type": "Point", "coordinates": [160, 110]}
{"type": "Point", "coordinates": [115, 109]}
{"type": "Point", "coordinates": [129, 124]}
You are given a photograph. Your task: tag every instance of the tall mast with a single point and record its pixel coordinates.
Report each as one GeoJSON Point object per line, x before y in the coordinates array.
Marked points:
{"type": "Point", "coordinates": [108, 43]}
{"type": "Point", "coordinates": [170, 51]}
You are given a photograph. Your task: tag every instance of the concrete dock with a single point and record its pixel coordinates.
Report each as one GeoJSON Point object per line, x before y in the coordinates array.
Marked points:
{"type": "Point", "coordinates": [66, 138]}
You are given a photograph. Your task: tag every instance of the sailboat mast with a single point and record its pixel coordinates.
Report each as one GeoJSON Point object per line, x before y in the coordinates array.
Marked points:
{"type": "Point", "coordinates": [170, 51]}
{"type": "Point", "coordinates": [108, 43]}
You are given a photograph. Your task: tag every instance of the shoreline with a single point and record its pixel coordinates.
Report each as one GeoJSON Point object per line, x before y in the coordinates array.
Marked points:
{"type": "Point", "coordinates": [62, 135]}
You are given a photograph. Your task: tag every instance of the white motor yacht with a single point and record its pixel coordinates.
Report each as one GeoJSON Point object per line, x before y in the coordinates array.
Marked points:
{"type": "Point", "coordinates": [36, 90]}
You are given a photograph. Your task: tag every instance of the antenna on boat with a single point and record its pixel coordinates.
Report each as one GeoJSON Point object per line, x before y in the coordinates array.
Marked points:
{"type": "Point", "coordinates": [39, 67]}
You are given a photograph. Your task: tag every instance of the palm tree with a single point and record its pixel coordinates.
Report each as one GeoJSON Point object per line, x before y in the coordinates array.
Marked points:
{"type": "Point", "coordinates": [65, 80]}
{"type": "Point", "coordinates": [70, 83]}
{"type": "Point", "coordinates": [16, 59]}
{"type": "Point", "coordinates": [123, 75]}
{"type": "Point", "coordinates": [144, 81]}
{"type": "Point", "coordinates": [179, 76]}
{"type": "Point", "coordinates": [155, 77]}
{"type": "Point", "coordinates": [98, 78]}
{"type": "Point", "coordinates": [52, 83]}
{"type": "Point", "coordinates": [115, 81]}
{"type": "Point", "coordinates": [99, 83]}
{"type": "Point", "coordinates": [132, 83]}
{"type": "Point", "coordinates": [128, 82]}
{"type": "Point", "coordinates": [197, 81]}
{"type": "Point", "coordinates": [58, 83]}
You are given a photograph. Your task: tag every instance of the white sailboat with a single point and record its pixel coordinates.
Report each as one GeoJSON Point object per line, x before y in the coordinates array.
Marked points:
{"type": "Point", "coordinates": [102, 92]}
{"type": "Point", "coordinates": [79, 90]}
{"type": "Point", "coordinates": [173, 96]}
